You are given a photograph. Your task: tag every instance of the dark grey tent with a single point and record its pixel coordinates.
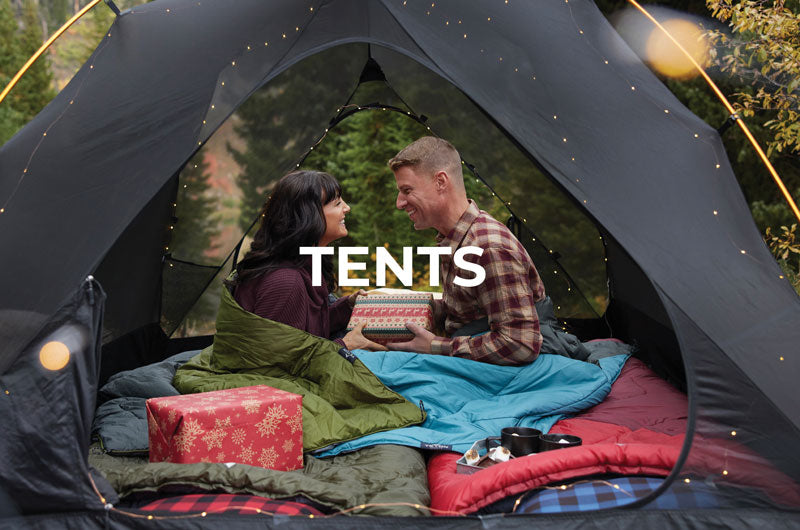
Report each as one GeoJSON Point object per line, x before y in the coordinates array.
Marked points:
{"type": "Point", "coordinates": [87, 186]}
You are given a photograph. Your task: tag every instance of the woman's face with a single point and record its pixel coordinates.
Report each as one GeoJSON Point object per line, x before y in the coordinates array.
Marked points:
{"type": "Point", "coordinates": [334, 212]}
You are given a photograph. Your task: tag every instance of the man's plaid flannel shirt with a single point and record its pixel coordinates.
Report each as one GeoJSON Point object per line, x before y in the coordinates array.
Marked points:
{"type": "Point", "coordinates": [506, 296]}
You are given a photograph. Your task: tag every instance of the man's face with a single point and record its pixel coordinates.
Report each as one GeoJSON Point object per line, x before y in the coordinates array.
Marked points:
{"type": "Point", "coordinates": [418, 196]}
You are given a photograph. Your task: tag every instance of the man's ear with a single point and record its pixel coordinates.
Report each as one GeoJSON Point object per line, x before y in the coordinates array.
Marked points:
{"type": "Point", "coordinates": [441, 180]}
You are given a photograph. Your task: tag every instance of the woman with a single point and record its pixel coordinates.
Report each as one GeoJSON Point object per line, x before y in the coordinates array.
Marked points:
{"type": "Point", "coordinates": [274, 281]}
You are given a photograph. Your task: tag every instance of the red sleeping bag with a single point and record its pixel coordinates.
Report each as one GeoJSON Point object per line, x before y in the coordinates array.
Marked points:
{"type": "Point", "coordinates": [637, 430]}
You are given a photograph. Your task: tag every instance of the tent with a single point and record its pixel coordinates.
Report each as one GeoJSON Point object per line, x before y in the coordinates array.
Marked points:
{"type": "Point", "coordinates": [86, 188]}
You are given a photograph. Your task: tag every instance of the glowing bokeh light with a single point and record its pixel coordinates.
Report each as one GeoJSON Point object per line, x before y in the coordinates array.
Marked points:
{"type": "Point", "coordinates": [54, 355]}
{"type": "Point", "coordinates": [665, 57]}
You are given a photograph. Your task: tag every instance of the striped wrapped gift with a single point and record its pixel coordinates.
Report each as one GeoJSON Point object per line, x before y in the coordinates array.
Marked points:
{"type": "Point", "coordinates": [387, 314]}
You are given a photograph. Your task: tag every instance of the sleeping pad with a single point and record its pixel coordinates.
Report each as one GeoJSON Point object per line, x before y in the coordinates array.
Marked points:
{"type": "Point", "coordinates": [385, 480]}
{"type": "Point", "coordinates": [342, 399]}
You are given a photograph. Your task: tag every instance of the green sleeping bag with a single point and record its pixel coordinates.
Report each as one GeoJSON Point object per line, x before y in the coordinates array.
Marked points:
{"type": "Point", "coordinates": [341, 400]}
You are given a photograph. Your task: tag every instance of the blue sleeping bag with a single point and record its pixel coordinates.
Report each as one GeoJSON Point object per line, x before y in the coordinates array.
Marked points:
{"type": "Point", "coordinates": [467, 400]}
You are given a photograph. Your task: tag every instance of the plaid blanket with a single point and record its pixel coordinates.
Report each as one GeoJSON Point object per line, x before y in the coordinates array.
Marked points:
{"type": "Point", "coordinates": [611, 493]}
{"type": "Point", "coordinates": [225, 502]}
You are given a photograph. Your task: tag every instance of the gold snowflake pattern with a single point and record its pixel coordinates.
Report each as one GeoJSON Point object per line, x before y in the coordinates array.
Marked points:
{"type": "Point", "coordinates": [247, 454]}
{"type": "Point", "coordinates": [220, 457]}
{"type": "Point", "coordinates": [271, 420]}
{"type": "Point", "coordinates": [163, 425]}
{"type": "Point", "coordinates": [152, 426]}
{"type": "Point", "coordinates": [268, 457]}
{"type": "Point", "coordinates": [251, 406]}
{"type": "Point", "coordinates": [222, 424]}
{"type": "Point", "coordinates": [192, 410]}
{"type": "Point", "coordinates": [173, 414]}
{"type": "Point", "coordinates": [288, 445]}
{"type": "Point", "coordinates": [214, 438]}
{"type": "Point", "coordinates": [295, 423]}
{"type": "Point", "coordinates": [238, 436]}
{"type": "Point", "coordinates": [184, 440]}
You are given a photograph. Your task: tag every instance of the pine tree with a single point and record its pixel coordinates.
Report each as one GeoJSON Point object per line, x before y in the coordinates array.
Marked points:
{"type": "Point", "coordinates": [356, 152]}
{"type": "Point", "coordinates": [193, 238]}
{"type": "Point", "coordinates": [56, 13]}
{"type": "Point", "coordinates": [10, 61]}
{"type": "Point", "coordinates": [196, 225]}
{"type": "Point", "coordinates": [34, 89]}
{"type": "Point", "coordinates": [279, 122]}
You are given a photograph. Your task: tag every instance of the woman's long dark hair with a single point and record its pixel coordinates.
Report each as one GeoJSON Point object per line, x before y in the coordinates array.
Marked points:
{"type": "Point", "coordinates": [291, 218]}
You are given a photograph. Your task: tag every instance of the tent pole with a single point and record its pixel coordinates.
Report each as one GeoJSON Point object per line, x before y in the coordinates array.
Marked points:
{"type": "Point", "coordinates": [44, 47]}
{"type": "Point", "coordinates": [730, 109]}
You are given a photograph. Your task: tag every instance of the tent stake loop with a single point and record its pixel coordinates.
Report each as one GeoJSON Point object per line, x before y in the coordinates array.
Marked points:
{"type": "Point", "coordinates": [727, 124]}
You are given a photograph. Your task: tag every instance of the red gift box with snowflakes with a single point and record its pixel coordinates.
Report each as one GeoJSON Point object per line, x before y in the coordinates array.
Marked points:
{"type": "Point", "coordinates": [255, 425]}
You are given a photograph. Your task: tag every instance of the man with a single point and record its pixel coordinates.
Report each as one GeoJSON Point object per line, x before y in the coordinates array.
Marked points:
{"type": "Point", "coordinates": [431, 190]}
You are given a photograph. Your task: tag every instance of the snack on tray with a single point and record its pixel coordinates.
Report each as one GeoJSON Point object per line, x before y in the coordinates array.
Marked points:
{"type": "Point", "coordinates": [499, 454]}
{"type": "Point", "coordinates": [472, 457]}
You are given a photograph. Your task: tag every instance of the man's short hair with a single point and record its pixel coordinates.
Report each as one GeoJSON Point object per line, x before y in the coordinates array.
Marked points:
{"type": "Point", "coordinates": [429, 155]}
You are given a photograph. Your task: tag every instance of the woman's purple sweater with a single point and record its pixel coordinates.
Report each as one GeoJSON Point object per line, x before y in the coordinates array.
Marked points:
{"type": "Point", "coordinates": [286, 295]}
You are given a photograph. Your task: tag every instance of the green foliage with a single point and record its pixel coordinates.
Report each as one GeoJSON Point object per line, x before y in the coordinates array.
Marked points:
{"type": "Point", "coordinates": [785, 246]}
{"type": "Point", "coordinates": [10, 122]}
{"type": "Point", "coordinates": [10, 61]}
{"type": "Point", "coordinates": [33, 91]}
{"type": "Point", "coordinates": [356, 153]}
{"type": "Point", "coordinates": [196, 225]}
{"type": "Point", "coordinates": [767, 214]}
{"type": "Point", "coordinates": [281, 121]}
{"type": "Point", "coordinates": [55, 12]}
{"type": "Point", "coordinates": [763, 49]}
{"type": "Point", "coordinates": [195, 229]}
{"type": "Point", "coordinates": [79, 42]}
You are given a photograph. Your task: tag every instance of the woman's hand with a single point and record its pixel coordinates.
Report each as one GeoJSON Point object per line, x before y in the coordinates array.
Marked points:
{"type": "Point", "coordinates": [355, 340]}
{"type": "Point", "coordinates": [352, 298]}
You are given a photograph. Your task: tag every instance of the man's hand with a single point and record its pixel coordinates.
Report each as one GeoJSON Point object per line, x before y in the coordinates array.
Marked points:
{"type": "Point", "coordinates": [355, 340]}
{"type": "Point", "coordinates": [421, 343]}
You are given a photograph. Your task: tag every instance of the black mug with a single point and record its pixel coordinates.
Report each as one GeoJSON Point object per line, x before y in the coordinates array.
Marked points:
{"type": "Point", "coordinates": [520, 441]}
{"type": "Point", "coordinates": [553, 441]}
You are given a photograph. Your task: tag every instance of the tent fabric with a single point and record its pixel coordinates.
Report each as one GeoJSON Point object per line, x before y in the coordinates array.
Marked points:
{"type": "Point", "coordinates": [47, 413]}
{"type": "Point", "coordinates": [554, 77]}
